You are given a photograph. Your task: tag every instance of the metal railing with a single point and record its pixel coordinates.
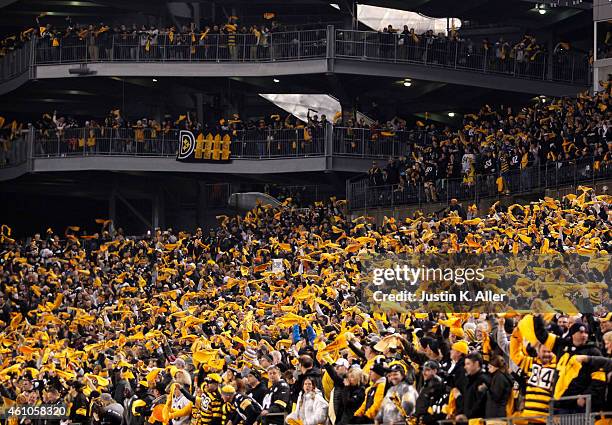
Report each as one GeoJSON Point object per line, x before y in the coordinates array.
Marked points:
{"type": "Point", "coordinates": [107, 141]}
{"type": "Point", "coordinates": [216, 195]}
{"type": "Point", "coordinates": [557, 415]}
{"type": "Point", "coordinates": [459, 54]}
{"type": "Point", "coordinates": [13, 152]}
{"type": "Point", "coordinates": [326, 42]}
{"type": "Point", "coordinates": [369, 143]}
{"type": "Point", "coordinates": [362, 195]}
{"type": "Point", "coordinates": [16, 62]}
{"type": "Point", "coordinates": [144, 47]}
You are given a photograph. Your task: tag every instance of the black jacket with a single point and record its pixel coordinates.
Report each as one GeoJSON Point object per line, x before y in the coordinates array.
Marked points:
{"type": "Point", "coordinates": [454, 377]}
{"type": "Point", "coordinates": [338, 393]}
{"type": "Point", "coordinates": [80, 402]}
{"type": "Point", "coordinates": [498, 393]}
{"type": "Point", "coordinates": [352, 398]}
{"type": "Point", "coordinates": [317, 377]}
{"type": "Point", "coordinates": [277, 402]}
{"type": "Point", "coordinates": [473, 402]}
{"type": "Point", "coordinates": [429, 394]}
{"type": "Point", "coordinates": [584, 383]}
{"type": "Point", "coordinates": [247, 410]}
{"type": "Point", "coordinates": [259, 392]}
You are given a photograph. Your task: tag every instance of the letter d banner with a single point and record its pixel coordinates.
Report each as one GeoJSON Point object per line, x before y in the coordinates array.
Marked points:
{"type": "Point", "coordinates": [187, 144]}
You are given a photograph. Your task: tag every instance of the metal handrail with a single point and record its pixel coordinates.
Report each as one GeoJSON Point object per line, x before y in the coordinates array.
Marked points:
{"type": "Point", "coordinates": [196, 47]}
{"type": "Point", "coordinates": [293, 46]}
{"type": "Point", "coordinates": [360, 194]}
{"type": "Point", "coordinates": [460, 54]}
{"type": "Point", "coordinates": [108, 141]}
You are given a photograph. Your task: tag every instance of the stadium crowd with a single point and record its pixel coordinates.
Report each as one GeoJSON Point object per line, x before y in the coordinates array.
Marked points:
{"type": "Point", "coordinates": [58, 124]}
{"type": "Point", "coordinates": [264, 316]}
{"type": "Point", "coordinates": [526, 49]}
{"type": "Point", "coordinates": [131, 41]}
{"type": "Point", "coordinates": [496, 142]}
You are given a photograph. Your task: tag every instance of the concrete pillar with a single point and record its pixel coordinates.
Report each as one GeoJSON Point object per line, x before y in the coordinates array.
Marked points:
{"type": "Point", "coordinates": [349, 14]}
{"type": "Point", "coordinates": [112, 207]}
{"type": "Point", "coordinates": [200, 107]}
{"type": "Point", "coordinates": [196, 14]}
{"type": "Point", "coordinates": [158, 211]}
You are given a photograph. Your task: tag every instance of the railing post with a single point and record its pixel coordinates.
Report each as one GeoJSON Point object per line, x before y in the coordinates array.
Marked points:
{"type": "Point", "coordinates": [330, 49]}
{"type": "Point", "coordinates": [244, 48]}
{"type": "Point", "coordinates": [347, 189]}
{"type": "Point", "coordinates": [32, 56]}
{"type": "Point", "coordinates": [395, 41]}
{"type": "Point", "coordinates": [484, 65]}
{"type": "Point", "coordinates": [363, 145]}
{"type": "Point", "coordinates": [217, 47]}
{"type": "Point", "coordinates": [30, 147]}
{"type": "Point", "coordinates": [327, 147]}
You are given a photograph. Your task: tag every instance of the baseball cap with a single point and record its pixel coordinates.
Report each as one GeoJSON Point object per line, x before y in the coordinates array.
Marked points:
{"type": "Point", "coordinates": [342, 362]}
{"type": "Point", "coordinates": [431, 364]}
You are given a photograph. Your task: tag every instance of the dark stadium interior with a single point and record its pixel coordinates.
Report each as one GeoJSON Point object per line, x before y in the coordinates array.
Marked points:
{"type": "Point", "coordinates": [306, 212]}
{"type": "Point", "coordinates": [440, 94]}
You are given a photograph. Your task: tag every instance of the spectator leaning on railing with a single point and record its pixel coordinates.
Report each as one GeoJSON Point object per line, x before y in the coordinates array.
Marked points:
{"type": "Point", "coordinates": [496, 143]}
{"type": "Point", "coordinates": [134, 42]}
{"type": "Point", "coordinates": [274, 136]}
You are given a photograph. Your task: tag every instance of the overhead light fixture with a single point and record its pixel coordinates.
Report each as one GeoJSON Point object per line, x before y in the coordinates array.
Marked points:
{"type": "Point", "coordinates": [276, 80]}
{"type": "Point", "coordinates": [407, 83]}
{"type": "Point", "coordinates": [155, 80]}
{"type": "Point", "coordinates": [451, 114]}
{"type": "Point", "coordinates": [542, 11]}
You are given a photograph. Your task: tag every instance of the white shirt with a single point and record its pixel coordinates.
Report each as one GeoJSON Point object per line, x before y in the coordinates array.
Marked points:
{"type": "Point", "coordinates": [177, 404]}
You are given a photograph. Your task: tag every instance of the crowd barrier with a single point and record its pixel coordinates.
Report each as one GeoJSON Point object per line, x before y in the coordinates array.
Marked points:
{"type": "Point", "coordinates": [307, 142]}
{"type": "Point", "coordinates": [328, 42]}
{"type": "Point", "coordinates": [368, 143]}
{"type": "Point", "coordinates": [13, 152]}
{"type": "Point", "coordinates": [144, 47]}
{"type": "Point", "coordinates": [558, 414]}
{"type": "Point", "coordinates": [460, 54]}
{"type": "Point", "coordinates": [16, 62]}
{"type": "Point", "coordinates": [107, 141]}
{"type": "Point", "coordinates": [361, 194]}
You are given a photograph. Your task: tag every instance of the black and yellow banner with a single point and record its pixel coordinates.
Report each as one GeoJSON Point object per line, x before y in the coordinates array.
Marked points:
{"type": "Point", "coordinates": [209, 148]}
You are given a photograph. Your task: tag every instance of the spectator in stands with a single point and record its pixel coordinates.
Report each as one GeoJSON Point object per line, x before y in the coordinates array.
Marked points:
{"type": "Point", "coordinates": [308, 371]}
{"type": "Point", "coordinates": [311, 407]}
{"type": "Point", "coordinates": [257, 388]}
{"type": "Point", "coordinates": [428, 409]}
{"type": "Point", "coordinates": [375, 175]}
{"type": "Point", "coordinates": [498, 390]}
{"type": "Point", "coordinates": [352, 396]}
